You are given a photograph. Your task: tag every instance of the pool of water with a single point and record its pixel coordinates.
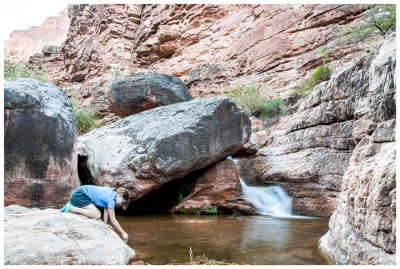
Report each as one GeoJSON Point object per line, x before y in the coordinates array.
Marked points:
{"type": "Point", "coordinates": [261, 240]}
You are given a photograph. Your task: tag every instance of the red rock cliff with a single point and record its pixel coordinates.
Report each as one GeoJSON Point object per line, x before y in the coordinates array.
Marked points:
{"type": "Point", "coordinates": [210, 47]}
{"type": "Point", "coordinates": [53, 31]}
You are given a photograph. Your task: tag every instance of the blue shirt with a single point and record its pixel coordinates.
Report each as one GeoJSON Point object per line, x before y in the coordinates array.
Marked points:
{"type": "Point", "coordinates": [101, 196]}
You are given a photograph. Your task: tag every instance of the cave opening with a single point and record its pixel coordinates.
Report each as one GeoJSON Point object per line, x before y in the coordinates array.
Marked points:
{"type": "Point", "coordinates": [84, 174]}
{"type": "Point", "coordinates": [164, 198]}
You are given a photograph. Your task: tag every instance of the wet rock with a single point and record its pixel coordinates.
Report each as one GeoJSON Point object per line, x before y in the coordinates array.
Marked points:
{"type": "Point", "coordinates": [362, 230]}
{"type": "Point", "coordinates": [49, 237]}
{"type": "Point", "coordinates": [218, 186]}
{"type": "Point", "coordinates": [145, 150]}
{"type": "Point", "coordinates": [40, 144]}
{"type": "Point", "coordinates": [138, 93]}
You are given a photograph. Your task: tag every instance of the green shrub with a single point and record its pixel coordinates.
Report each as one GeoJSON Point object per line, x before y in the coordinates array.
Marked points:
{"type": "Point", "coordinates": [14, 68]}
{"type": "Point", "coordinates": [85, 118]}
{"type": "Point", "coordinates": [380, 19]}
{"type": "Point", "coordinates": [180, 197]}
{"type": "Point", "coordinates": [323, 73]}
{"type": "Point", "coordinates": [196, 211]}
{"type": "Point", "coordinates": [250, 98]}
{"type": "Point", "coordinates": [210, 209]}
{"type": "Point", "coordinates": [274, 108]}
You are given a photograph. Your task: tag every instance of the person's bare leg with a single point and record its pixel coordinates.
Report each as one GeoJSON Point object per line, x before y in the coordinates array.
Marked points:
{"type": "Point", "coordinates": [90, 211]}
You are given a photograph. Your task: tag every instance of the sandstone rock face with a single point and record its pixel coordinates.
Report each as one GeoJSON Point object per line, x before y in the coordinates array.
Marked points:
{"type": "Point", "coordinates": [145, 150]}
{"type": "Point", "coordinates": [219, 186]}
{"type": "Point", "coordinates": [49, 237]}
{"type": "Point", "coordinates": [138, 93]}
{"type": "Point", "coordinates": [309, 152]}
{"type": "Point", "coordinates": [362, 229]}
{"type": "Point", "coordinates": [53, 31]}
{"type": "Point", "coordinates": [50, 59]}
{"type": "Point", "coordinates": [210, 47]}
{"type": "Point", "coordinates": [40, 144]}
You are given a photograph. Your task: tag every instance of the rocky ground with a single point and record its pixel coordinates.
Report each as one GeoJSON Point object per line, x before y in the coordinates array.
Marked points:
{"type": "Point", "coordinates": [49, 237]}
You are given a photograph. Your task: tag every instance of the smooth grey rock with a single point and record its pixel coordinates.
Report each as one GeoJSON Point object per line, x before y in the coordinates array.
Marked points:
{"type": "Point", "coordinates": [40, 144]}
{"type": "Point", "coordinates": [145, 150]}
{"type": "Point", "coordinates": [141, 92]}
{"type": "Point", "coordinates": [49, 237]}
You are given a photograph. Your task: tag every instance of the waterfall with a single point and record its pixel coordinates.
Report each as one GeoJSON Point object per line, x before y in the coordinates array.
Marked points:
{"type": "Point", "coordinates": [271, 200]}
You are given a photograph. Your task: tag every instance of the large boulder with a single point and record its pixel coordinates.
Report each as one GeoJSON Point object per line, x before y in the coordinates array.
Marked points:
{"type": "Point", "coordinates": [138, 93]}
{"type": "Point", "coordinates": [362, 229]}
{"type": "Point", "coordinates": [40, 142]}
{"type": "Point", "coordinates": [145, 150]}
{"type": "Point", "coordinates": [49, 237]}
{"type": "Point", "coordinates": [218, 186]}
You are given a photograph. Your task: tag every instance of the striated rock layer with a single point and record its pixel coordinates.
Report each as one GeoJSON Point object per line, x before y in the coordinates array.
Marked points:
{"type": "Point", "coordinates": [145, 150]}
{"type": "Point", "coordinates": [39, 145]}
{"type": "Point", "coordinates": [362, 230]}
{"type": "Point", "coordinates": [218, 186]}
{"type": "Point", "coordinates": [210, 47]}
{"type": "Point", "coordinates": [53, 31]}
{"type": "Point", "coordinates": [49, 237]}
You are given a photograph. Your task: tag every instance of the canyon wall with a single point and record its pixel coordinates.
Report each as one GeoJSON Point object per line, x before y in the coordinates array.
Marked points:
{"type": "Point", "coordinates": [53, 31]}
{"type": "Point", "coordinates": [212, 48]}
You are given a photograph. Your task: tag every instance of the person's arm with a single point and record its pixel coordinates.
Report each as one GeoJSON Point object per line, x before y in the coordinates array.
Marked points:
{"type": "Point", "coordinates": [115, 223]}
{"type": "Point", "coordinates": [105, 215]}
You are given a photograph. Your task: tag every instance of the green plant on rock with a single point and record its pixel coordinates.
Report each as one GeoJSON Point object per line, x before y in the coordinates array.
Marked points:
{"type": "Point", "coordinates": [196, 211]}
{"type": "Point", "coordinates": [85, 118]}
{"type": "Point", "coordinates": [274, 108]}
{"type": "Point", "coordinates": [210, 209]}
{"type": "Point", "coordinates": [180, 197]}
{"type": "Point", "coordinates": [380, 19]}
{"type": "Point", "coordinates": [250, 98]}
{"type": "Point", "coordinates": [14, 68]}
{"type": "Point", "coordinates": [322, 73]}
{"type": "Point", "coordinates": [204, 181]}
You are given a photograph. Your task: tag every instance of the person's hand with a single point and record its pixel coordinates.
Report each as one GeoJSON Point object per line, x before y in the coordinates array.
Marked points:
{"type": "Point", "coordinates": [124, 236]}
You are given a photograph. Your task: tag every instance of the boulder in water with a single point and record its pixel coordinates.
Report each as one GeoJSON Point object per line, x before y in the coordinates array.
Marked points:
{"type": "Point", "coordinates": [39, 145]}
{"type": "Point", "coordinates": [49, 237]}
{"type": "Point", "coordinates": [141, 92]}
{"type": "Point", "coordinates": [145, 150]}
{"type": "Point", "coordinates": [219, 186]}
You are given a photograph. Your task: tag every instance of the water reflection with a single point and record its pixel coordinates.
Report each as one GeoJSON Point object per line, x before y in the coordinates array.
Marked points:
{"type": "Point", "coordinates": [166, 239]}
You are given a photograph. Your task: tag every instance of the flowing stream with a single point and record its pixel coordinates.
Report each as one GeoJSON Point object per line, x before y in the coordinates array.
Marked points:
{"type": "Point", "coordinates": [270, 200]}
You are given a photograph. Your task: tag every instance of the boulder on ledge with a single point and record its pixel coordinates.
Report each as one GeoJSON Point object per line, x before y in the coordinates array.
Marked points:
{"type": "Point", "coordinates": [34, 236]}
{"type": "Point", "coordinates": [143, 151]}
{"type": "Point", "coordinates": [142, 92]}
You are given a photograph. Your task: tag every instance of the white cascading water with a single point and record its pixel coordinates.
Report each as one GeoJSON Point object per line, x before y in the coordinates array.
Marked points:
{"type": "Point", "coordinates": [271, 200]}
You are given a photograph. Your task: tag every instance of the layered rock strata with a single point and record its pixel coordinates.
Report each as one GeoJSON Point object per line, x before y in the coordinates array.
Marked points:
{"type": "Point", "coordinates": [219, 186]}
{"type": "Point", "coordinates": [145, 150]}
{"type": "Point", "coordinates": [309, 152]}
{"type": "Point", "coordinates": [362, 230]}
{"type": "Point", "coordinates": [138, 93]}
{"type": "Point", "coordinates": [53, 31]}
{"type": "Point", "coordinates": [210, 47]}
{"type": "Point", "coordinates": [40, 143]}
{"type": "Point", "coordinates": [49, 237]}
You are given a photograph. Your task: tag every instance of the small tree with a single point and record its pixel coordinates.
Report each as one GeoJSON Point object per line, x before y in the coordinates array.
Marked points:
{"type": "Point", "coordinates": [380, 19]}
